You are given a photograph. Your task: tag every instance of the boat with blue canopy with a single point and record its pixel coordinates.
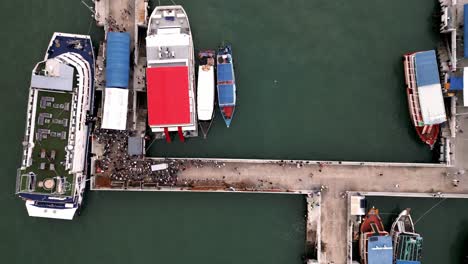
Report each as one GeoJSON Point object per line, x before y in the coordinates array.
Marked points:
{"type": "Point", "coordinates": [226, 84]}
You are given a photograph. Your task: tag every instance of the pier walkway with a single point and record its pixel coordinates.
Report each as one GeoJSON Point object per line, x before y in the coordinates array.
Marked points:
{"type": "Point", "coordinates": [338, 179]}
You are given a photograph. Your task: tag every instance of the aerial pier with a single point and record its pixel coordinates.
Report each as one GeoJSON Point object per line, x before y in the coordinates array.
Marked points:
{"type": "Point", "coordinates": [119, 161]}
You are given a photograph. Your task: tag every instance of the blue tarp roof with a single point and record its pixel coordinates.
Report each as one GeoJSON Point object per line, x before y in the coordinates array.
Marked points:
{"type": "Point", "coordinates": [380, 250]}
{"type": "Point", "coordinates": [456, 83]}
{"type": "Point", "coordinates": [224, 72]}
{"type": "Point", "coordinates": [226, 94]}
{"type": "Point", "coordinates": [465, 30]}
{"type": "Point", "coordinates": [117, 59]}
{"type": "Point", "coordinates": [407, 262]}
{"type": "Point", "coordinates": [427, 72]}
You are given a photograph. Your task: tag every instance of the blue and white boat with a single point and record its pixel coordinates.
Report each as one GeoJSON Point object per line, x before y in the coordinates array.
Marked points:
{"type": "Point", "coordinates": [52, 176]}
{"type": "Point", "coordinates": [226, 83]}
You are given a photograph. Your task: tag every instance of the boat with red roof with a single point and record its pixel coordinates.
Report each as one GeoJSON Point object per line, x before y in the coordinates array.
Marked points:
{"type": "Point", "coordinates": [170, 74]}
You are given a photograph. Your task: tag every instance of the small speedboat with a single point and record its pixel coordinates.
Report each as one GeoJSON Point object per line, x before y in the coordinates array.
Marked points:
{"type": "Point", "coordinates": [206, 90]}
{"type": "Point", "coordinates": [226, 83]}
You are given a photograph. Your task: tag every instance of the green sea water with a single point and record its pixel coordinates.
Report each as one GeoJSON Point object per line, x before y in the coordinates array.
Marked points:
{"type": "Point", "coordinates": [317, 80]}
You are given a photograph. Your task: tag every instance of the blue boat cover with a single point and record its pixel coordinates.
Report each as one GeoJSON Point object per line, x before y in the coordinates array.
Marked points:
{"type": "Point", "coordinates": [465, 31]}
{"type": "Point", "coordinates": [224, 72]}
{"type": "Point", "coordinates": [226, 94]}
{"type": "Point", "coordinates": [117, 59]}
{"type": "Point", "coordinates": [427, 72]}
{"type": "Point", "coordinates": [380, 250]}
{"type": "Point", "coordinates": [456, 83]}
{"type": "Point", "coordinates": [407, 262]}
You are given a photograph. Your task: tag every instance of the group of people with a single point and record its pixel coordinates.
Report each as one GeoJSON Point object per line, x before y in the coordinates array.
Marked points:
{"type": "Point", "coordinates": [119, 166]}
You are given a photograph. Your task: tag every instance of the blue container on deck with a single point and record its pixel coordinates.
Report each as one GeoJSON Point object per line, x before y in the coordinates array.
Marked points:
{"type": "Point", "coordinates": [117, 59]}
{"type": "Point", "coordinates": [465, 30]}
{"type": "Point", "coordinates": [456, 83]}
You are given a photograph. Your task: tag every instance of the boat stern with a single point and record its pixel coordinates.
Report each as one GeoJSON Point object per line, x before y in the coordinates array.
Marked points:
{"type": "Point", "coordinates": [67, 212]}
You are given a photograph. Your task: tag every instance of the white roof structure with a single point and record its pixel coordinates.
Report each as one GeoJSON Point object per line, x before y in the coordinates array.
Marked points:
{"type": "Point", "coordinates": [431, 100]}
{"type": "Point", "coordinates": [158, 167]}
{"type": "Point", "coordinates": [465, 84]}
{"type": "Point", "coordinates": [205, 93]}
{"type": "Point", "coordinates": [58, 76]}
{"type": "Point", "coordinates": [432, 104]}
{"type": "Point", "coordinates": [115, 109]}
{"type": "Point", "coordinates": [164, 40]}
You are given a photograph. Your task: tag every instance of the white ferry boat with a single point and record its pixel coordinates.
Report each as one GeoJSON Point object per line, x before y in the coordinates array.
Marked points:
{"type": "Point", "coordinates": [170, 74]}
{"type": "Point", "coordinates": [52, 176]}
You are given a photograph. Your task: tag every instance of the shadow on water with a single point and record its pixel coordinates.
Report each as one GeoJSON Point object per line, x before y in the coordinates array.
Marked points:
{"type": "Point", "coordinates": [460, 248]}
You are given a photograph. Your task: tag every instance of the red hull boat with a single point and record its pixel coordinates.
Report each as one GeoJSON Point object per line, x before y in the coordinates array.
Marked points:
{"type": "Point", "coordinates": [427, 132]}
{"type": "Point", "coordinates": [371, 228]}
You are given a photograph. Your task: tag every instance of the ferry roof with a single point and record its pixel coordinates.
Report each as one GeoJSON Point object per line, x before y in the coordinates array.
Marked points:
{"type": "Point", "coordinates": [168, 96]}
{"type": "Point", "coordinates": [380, 250]}
{"type": "Point", "coordinates": [226, 94]}
{"type": "Point", "coordinates": [225, 73]}
{"type": "Point", "coordinates": [427, 71]}
{"type": "Point", "coordinates": [429, 88]}
{"type": "Point", "coordinates": [51, 131]}
{"type": "Point", "coordinates": [408, 248]}
{"type": "Point", "coordinates": [60, 76]}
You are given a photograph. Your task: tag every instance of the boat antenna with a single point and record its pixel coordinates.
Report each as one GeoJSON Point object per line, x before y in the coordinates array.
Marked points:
{"type": "Point", "coordinates": [173, 2]}
{"type": "Point", "coordinates": [430, 209]}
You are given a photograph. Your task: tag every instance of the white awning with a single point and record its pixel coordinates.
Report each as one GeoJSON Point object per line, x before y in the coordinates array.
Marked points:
{"type": "Point", "coordinates": [158, 167]}
{"type": "Point", "coordinates": [465, 84]}
{"type": "Point", "coordinates": [205, 93]}
{"type": "Point", "coordinates": [57, 213]}
{"type": "Point", "coordinates": [115, 109]}
{"type": "Point", "coordinates": [432, 104]}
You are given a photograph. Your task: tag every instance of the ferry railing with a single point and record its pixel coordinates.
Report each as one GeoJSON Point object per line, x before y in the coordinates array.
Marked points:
{"type": "Point", "coordinates": [18, 181]}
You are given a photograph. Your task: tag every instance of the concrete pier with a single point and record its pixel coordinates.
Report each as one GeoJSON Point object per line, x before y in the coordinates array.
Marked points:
{"type": "Point", "coordinates": [300, 177]}
{"type": "Point", "coordinates": [338, 179]}
{"type": "Point", "coordinates": [313, 227]}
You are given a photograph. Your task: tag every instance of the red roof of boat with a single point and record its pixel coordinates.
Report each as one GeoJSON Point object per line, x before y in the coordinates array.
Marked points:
{"type": "Point", "coordinates": [168, 96]}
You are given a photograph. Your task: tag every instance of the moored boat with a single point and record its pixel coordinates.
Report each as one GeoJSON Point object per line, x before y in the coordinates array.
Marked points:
{"type": "Point", "coordinates": [424, 93]}
{"type": "Point", "coordinates": [206, 90]}
{"type": "Point", "coordinates": [226, 83]}
{"type": "Point", "coordinates": [407, 243]}
{"type": "Point", "coordinates": [52, 176]}
{"type": "Point", "coordinates": [375, 245]}
{"type": "Point", "coordinates": [170, 74]}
